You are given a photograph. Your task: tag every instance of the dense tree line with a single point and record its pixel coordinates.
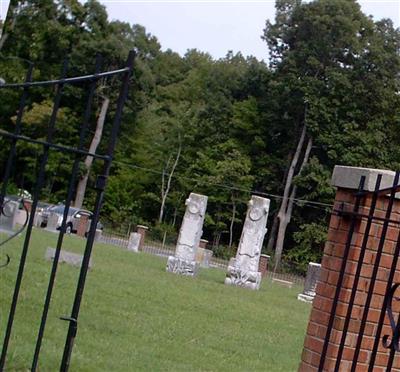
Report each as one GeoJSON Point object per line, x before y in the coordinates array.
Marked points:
{"type": "Point", "coordinates": [330, 95]}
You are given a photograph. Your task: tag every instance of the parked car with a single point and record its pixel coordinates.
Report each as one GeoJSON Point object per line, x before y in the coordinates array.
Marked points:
{"type": "Point", "coordinates": [74, 215]}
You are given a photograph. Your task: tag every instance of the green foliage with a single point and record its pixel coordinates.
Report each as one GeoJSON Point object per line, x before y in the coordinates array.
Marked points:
{"type": "Point", "coordinates": [236, 120]}
{"type": "Point", "coordinates": [310, 239]}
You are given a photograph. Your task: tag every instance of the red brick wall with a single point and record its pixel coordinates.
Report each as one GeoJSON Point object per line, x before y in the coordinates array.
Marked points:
{"type": "Point", "coordinates": [142, 231]}
{"type": "Point", "coordinates": [263, 264]}
{"type": "Point", "coordinates": [82, 226]}
{"type": "Point", "coordinates": [326, 287]}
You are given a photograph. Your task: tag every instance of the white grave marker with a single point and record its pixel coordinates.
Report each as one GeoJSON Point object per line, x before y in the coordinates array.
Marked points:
{"type": "Point", "coordinates": [243, 270]}
{"type": "Point", "coordinates": [184, 261]}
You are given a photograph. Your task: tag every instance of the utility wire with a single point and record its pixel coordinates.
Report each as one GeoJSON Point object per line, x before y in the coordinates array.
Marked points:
{"type": "Point", "coordinates": [299, 202]}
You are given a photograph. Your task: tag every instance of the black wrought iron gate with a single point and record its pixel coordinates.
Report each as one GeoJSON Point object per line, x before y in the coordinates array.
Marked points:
{"type": "Point", "coordinates": [388, 219]}
{"type": "Point", "coordinates": [89, 82]}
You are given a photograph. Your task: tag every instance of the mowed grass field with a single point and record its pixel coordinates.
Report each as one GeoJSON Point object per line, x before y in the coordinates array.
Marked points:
{"type": "Point", "coordinates": [137, 317]}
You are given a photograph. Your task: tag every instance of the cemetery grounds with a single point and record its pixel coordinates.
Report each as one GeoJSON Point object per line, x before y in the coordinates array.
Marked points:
{"type": "Point", "coordinates": [135, 316]}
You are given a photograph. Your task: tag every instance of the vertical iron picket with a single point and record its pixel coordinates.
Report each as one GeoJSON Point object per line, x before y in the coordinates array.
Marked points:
{"type": "Point", "coordinates": [71, 185]}
{"type": "Point", "coordinates": [358, 272]}
{"type": "Point", "coordinates": [78, 152]}
{"type": "Point", "coordinates": [375, 272]}
{"type": "Point", "coordinates": [38, 188]}
{"type": "Point", "coordinates": [356, 207]}
{"type": "Point", "coordinates": [100, 187]}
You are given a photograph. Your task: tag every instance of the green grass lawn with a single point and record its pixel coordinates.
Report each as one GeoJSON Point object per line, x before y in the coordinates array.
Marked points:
{"type": "Point", "coordinates": [137, 317]}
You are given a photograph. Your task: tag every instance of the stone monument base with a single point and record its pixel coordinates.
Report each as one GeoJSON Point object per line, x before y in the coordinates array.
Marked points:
{"type": "Point", "coordinates": [241, 278]}
{"type": "Point", "coordinates": [178, 266]}
{"type": "Point", "coordinates": [305, 298]}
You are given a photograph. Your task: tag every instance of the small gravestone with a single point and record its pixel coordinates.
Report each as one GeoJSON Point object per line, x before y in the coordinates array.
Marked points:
{"type": "Point", "coordinates": [184, 261]}
{"type": "Point", "coordinates": [134, 242]}
{"type": "Point", "coordinates": [203, 257]}
{"type": "Point", "coordinates": [70, 258]}
{"type": "Point", "coordinates": [9, 216]}
{"type": "Point", "coordinates": [52, 222]}
{"type": "Point", "coordinates": [97, 235]}
{"type": "Point", "coordinates": [243, 270]}
{"type": "Point", "coordinates": [310, 284]}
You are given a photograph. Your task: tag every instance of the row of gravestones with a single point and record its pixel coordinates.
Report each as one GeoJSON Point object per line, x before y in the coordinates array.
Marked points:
{"type": "Point", "coordinates": [242, 271]}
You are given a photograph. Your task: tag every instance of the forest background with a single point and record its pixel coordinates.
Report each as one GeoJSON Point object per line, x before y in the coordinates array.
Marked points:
{"type": "Point", "coordinates": [226, 128]}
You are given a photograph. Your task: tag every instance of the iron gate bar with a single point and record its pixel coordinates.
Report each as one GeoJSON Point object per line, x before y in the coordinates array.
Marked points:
{"type": "Point", "coordinates": [358, 272]}
{"type": "Point", "coordinates": [17, 131]}
{"type": "Point", "coordinates": [341, 275]}
{"type": "Point", "coordinates": [366, 216]}
{"type": "Point", "coordinates": [70, 192]}
{"type": "Point", "coordinates": [53, 145]}
{"type": "Point", "coordinates": [100, 186]}
{"type": "Point", "coordinates": [39, 185]}
{"type": "Point", "coordinates": [385, 305]}
{"type": "Point", "coordinates": [375, 272]}
{"type": "Point", "coordinates": [62, 81]}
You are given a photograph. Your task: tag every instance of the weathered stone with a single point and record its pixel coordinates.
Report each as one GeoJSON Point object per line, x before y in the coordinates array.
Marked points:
{"type": "Point", "coordinates": [349, 178]}
{"type": "Point", "coordinates": [243, 271]}
{"type": "Point", "coordinates": [134, 242]}
{"type": "Point", "coordinates": [9, 216]}
{"type": "Point", "coordinates": [203, 257]}
{"type": "Point", "coordinates": [70, 258]}
{"type": "Point", "coordinates": [184, 261]}
{"type": "Point", "coordinates": [98, 234]}
{"type": "Point", "coordinates": [311, 282]}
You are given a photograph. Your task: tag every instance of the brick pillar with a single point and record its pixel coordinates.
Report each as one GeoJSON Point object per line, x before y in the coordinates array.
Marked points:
{"type": "Point", "coordinates": [263, 264]}
{"type": "Point", "coordinates": [140, 229]}
{"type": "Point", "coordinates": [28, 205]}
{"type": "Point", "coordinates": [82, 225]}
{"type": "Point", "coordinates": [203, 243]}
{"type": "Point", "coordinates": [346, 179]}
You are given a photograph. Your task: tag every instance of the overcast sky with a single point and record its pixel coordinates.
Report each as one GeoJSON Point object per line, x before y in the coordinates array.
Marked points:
{"type": "Point", "coordinates": [213, 26]}
{"type": "Point", "coordinates": [217, 26]}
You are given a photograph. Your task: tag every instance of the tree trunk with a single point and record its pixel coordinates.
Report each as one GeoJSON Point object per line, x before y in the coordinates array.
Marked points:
{"type": "Point", "coordinates": [8, 25]}
{"type": "Point", "coordinates": [81, 188]}
{"type": "Point", "coordinates": [272, 234]}
{"type": "Point", "coordinates": [282, 214]}
{"type": "Point", "coordinates": [232, 222]}
{"type": "Point", "coordinates": [165, 191]}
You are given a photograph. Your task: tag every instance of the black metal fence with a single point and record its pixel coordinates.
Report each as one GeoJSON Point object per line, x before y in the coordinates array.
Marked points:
{"type": "Point", "coordinates": [89, 83]}
{"type": "Point", "coordinates": [386, 221]}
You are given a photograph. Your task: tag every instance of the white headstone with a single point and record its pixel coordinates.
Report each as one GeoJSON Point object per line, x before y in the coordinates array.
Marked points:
{"type": "Point", "coordinates": [243, 270]}
{"type": "Point", "coordinates": [184, 261]}
{"type": "Point", "coordinates": [98, 234]}
{"type": "Point", "coordinates": [134, 242]}
{"type": "Point", "coordinates": [9, 216]}
{"type": "Point", "coordinates": [310, 284]}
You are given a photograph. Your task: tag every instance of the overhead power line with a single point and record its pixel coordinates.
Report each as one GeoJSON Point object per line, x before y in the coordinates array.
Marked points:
{"type": "Point", "coordinates": [299, 202]}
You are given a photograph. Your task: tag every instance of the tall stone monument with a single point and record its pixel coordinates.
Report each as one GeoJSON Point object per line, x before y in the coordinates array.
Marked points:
{"type": "Point", "coordinates": [243, 270]}
{"type": "Point", "coordinates": [311, 282]}
{"type": "Point", "coordinates": [184, 261]}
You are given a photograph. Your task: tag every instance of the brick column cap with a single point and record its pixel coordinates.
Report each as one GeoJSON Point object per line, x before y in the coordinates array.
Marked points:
{"type": "Point", "coordinates": [314, 264]}
{"type": "Point", "coordinates": [349, 177]}
{"type": "Point", "coordinates": [265, 255]}
{"type": "Point", "coordinates": [142, 227]}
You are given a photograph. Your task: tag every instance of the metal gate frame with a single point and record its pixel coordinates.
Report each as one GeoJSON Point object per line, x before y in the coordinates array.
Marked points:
{"type": "Point", "coordinates": [391, 342]}
{"type": "Point", "coordinates": [101, 181]}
